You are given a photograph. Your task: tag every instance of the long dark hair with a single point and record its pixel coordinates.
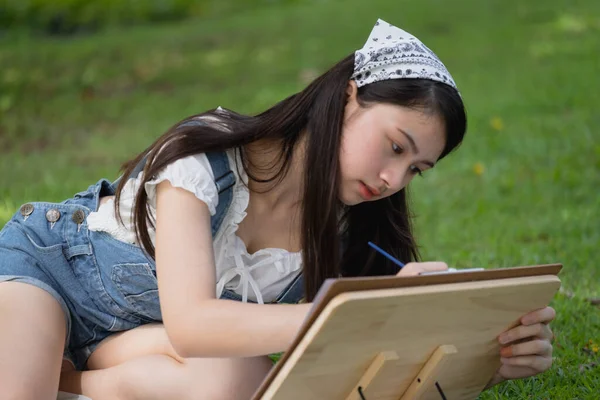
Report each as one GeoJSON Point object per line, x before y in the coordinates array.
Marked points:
{"type": "Point", "coordinates": [318, 110]}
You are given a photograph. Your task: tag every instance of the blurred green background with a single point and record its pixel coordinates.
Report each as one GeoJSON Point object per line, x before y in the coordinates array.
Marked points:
{"type": "Point", "coordinates": [85, 85]}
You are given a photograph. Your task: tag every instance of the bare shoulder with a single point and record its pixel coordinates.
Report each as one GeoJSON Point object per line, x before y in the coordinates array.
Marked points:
{"type": "Point", "coordinates": [173, 202]}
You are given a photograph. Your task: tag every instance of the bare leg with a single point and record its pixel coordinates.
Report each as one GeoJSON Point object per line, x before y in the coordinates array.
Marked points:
{"type": "Point", "coordinates": [98, 385]}
{"type": "Point", "coordinates": [32, 341]}
{"type": "Point", "coordinates": [161, 377]}
{"type": "Point", "coordinates": [154, 371]}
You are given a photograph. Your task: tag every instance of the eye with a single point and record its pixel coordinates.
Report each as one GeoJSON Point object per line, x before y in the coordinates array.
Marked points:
{"type": "Point", "coordinates": [397, 149]}
{"type": "Point", "coordinates": [415, 170]}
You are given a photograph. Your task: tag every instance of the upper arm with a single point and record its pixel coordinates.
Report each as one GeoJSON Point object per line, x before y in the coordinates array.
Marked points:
{"type": "Point", "coordinates": [185, 263]}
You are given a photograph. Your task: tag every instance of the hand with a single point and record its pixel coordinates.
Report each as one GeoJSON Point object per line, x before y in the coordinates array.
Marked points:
{"type": "Point", "coordinates": [415, 268]}
{"type": "Point", "coordinates": [527, 348]}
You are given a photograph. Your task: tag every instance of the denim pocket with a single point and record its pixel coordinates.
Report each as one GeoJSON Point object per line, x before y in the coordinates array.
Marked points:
{"type": "Point", "coordinates": [23, 238]}
{"type": "Point", "coordinates": [138, 285]}
{"type": "Point", "coordinates": [127, 285]}
{"type": "Point", "coordinates": [44, 249]}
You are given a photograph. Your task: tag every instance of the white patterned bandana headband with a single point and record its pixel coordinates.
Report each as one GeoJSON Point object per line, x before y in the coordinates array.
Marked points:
{"type": "Point", "coordinates": [391, 53]}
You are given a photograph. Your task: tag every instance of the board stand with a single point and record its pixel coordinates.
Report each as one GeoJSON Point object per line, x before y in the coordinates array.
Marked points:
{"type": "Point", "coordinates": [424, 385]}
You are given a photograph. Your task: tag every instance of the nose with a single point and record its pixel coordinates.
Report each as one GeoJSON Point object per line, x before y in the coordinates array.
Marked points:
{"type": "Point", "coordinates": [394, 180]}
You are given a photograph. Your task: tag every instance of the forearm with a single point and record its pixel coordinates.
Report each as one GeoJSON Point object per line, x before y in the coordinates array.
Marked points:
{"type": "Point", "coordinates": [225, 328]}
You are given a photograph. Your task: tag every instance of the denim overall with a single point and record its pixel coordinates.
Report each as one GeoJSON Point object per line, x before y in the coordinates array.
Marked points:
{"type": "Point", "coordinates": [102, 284]}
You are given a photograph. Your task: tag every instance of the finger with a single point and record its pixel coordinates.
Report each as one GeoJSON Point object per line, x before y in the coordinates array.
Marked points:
{"type": "Point", "coordinates": [546, 333]}
{"type": "Point", "coordinates": [537, 363]}
{"type": "Point", "coordinates": [517, 372]}
{"type": "Point", "coordinates": [412, 269]}
{"type": "Point", "coordinates": [541, 316]}
{"type": "Point", "coordinates": [432, 266]}
{"type": "Point", "coordinates": [533, 347]}
{"type": "Point", "coordinates": [524, 331]}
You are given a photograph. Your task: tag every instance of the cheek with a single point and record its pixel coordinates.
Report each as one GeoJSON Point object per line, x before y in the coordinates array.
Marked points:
{"type": "Point", "coordinates": [360, 155]}
{"type": "Point", "coordinates": [354, 162]}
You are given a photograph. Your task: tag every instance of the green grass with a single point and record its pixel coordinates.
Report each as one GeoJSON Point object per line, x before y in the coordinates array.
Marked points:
{"type": "Point", "coordinates": [522, 190]}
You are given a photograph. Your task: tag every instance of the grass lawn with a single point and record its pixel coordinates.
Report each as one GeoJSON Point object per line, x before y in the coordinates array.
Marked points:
{"type": "Point", "coordinates": [523, 188]}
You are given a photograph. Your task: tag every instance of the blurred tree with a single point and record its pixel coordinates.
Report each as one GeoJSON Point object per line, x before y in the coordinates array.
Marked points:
{"type": "Point", "coordinates": [66, 17]}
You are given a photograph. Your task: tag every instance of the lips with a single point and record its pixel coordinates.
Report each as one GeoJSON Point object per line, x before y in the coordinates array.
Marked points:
{"type": "Point", "coordinates": [367, 192]}
{"type": "Point", "coordinates": [373, 190]}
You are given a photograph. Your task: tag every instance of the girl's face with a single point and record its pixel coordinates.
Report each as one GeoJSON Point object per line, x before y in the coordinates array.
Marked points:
{"type": "Point", "coordinates": [384, 147]}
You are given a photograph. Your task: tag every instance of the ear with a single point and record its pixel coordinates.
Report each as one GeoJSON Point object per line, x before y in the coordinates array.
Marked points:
{"type": "Point", "coordinates": [351, 90]}
{"type": "Point", "coordinates": [351, 100]}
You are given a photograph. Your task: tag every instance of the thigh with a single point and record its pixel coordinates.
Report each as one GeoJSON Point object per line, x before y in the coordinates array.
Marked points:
{"type": "Point", "coordinates": [32, 340]}
{"type": "Point", "coordinates": [225, 378]}
{"type": "Point", "coordinates": [149, 339]}
{"type": "Point", "coordinates": [161, 377]}
{"type": "Point", "coordinates": [147, 367]}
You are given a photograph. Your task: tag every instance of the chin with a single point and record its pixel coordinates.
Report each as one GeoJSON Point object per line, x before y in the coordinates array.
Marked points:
{"type": "Point", "coordinates": [350, 201]}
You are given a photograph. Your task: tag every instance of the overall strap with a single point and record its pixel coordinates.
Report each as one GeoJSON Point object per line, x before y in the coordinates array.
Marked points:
{"type": "Point", "coordinates": [224, 180]}
{"type": "Point", "coordinates": [136, 171]}
{"type": "Point", "coordinates": [294, 292]}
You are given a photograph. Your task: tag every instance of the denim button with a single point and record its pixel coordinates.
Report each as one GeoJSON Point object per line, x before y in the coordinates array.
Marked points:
{"type": "Point", "coordinates": [53, 215]}
{"type": "Point", "coordinates": [26, 209]}
{"type": "Point", "coordinates": [78, 217]}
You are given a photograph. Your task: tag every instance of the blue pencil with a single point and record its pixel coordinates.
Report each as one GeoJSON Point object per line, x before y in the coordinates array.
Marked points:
{"type": "Point", "coordinates": [388, 256]}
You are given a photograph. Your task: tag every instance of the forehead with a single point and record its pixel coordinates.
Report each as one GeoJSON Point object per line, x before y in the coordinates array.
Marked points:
{"type": "Point", "coordinates": [426, 128]}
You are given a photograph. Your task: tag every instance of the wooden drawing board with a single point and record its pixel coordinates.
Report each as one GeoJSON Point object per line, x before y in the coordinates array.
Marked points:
{"type": "Point", "coordinates": [398, 337]}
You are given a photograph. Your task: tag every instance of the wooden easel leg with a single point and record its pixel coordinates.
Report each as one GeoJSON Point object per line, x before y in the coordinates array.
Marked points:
{"type": "Point", "coordinates": [376, 367]}
{"type": "Point", "coordinates": [432, 372]}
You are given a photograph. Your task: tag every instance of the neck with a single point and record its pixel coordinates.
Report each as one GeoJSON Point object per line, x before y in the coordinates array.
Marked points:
{"type": "Point", "coordinates": [264, 161]}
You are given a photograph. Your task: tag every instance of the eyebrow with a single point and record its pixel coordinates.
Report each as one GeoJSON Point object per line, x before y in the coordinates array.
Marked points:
{"type": "Point", "coordinates": [414, 148]}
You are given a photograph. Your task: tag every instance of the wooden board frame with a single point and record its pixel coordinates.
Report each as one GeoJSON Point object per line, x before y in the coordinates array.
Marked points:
{"type": "Point", "coordinates": [305, 371]}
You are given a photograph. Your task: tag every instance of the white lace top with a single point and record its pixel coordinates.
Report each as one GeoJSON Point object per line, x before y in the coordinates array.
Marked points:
{"type": "Point", "coordinates": [259, 277]}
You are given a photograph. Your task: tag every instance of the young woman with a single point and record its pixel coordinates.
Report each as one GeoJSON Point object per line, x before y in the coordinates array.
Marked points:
{"type": "Point", "coordinates": [194, 253]}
